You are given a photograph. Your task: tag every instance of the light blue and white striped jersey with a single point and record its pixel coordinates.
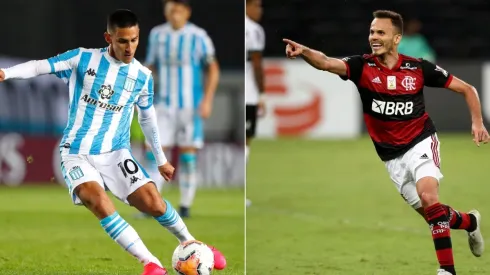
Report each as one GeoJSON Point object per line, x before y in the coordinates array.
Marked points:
{"type": "Point", "coordinates": [179, 57]}
{"type": "Point", "coordinates": [103, 92]}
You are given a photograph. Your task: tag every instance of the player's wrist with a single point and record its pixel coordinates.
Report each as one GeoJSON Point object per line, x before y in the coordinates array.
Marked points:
{"type": "Point", "coordinates": [5, 74]}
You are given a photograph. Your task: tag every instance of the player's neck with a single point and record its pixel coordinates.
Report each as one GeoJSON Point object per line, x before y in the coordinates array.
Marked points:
{"type": "Point", "coordinates": [178, 27]}
{"type": "Point", "coordinates": [389, 59]}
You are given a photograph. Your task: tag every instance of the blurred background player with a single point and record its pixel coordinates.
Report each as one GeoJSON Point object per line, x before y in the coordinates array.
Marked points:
{"type": "Point", "coordinates": [254, 85]}
{"type": "Point", "coordinates": [105, 86]}
{"type": "Point", "coordinates": [414, 42]}
{"type": "Point", "coordinates": [182, 58]}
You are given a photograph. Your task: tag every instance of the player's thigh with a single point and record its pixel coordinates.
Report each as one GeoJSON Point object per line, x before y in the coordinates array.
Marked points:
{"type": "Point", "coordinates": [77, 170]}
{"type": "Point", "coordinates": [167, 126]}
{"type": "Point", "coordinates": [402, 179]}
{"type": "Point", "coordinates": [190, 129]}
{"type": "Point", "coordinates": [121, 172]}
{"type": "Point", "coordinates": [250, 120]}
{"type": "Point", "coordinates": [424, 159]}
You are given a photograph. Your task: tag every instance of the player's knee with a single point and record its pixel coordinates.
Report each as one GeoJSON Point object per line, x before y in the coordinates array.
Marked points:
{"type": "Point", "coordinates": [94, 198]}
{"type": "Point", "coordinates": [154, 203]}
{"type": "Point", "coordinates": [429, 198]}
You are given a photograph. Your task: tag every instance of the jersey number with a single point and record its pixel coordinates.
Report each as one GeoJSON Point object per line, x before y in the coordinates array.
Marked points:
{"type": "Point", "coordinates": [128, 169]}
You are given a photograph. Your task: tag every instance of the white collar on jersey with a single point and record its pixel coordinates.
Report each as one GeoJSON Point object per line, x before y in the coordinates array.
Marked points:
{"type": "Point", "coordinates": [114, 61]}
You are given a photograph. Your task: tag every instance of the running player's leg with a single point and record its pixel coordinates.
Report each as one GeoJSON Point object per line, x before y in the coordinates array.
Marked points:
{"type": "Point", "coordinates": [190, 138]}
{"type": "Point", "coordinates": [86, 187]}
{"type": "Point", "coordinates": [130, 183]}
{"type": "Point", "coordinates": [405, 172]}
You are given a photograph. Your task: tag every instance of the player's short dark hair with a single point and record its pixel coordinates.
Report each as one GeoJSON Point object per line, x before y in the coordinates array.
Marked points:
{"type": "Point", "coordinates": [122, 19]}
{"type": "Point", "coordinates": [186, 3]}
{"type": "Point", "coordinates": [396, 18]}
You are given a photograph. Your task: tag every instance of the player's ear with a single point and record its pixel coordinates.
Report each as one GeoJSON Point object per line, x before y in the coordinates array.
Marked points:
{"type": "Point", "coordinates": [398, 38]}
{"type": "Point", "coordinates": [107, 37]}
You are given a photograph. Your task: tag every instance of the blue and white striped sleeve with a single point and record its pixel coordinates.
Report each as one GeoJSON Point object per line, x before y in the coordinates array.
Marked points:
{"type": "Point", "coordinates": [63, 64]}
{"type": "Point", "coordinates": [60, 65]}
{"type": "Point", "coordinates": [207, 49]}
{"type": "Point", "coordinates": [151, 51]}
{"type": "Point", "coordinates": [145, 99]}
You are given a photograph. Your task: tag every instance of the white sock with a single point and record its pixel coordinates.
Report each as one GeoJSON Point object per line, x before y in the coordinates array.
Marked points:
{"type": "Point", "coordinates": [125, 235]}
{"type": "Point", "coordinates": [187, 179]}
{"type": "Point", "coordinates": [174, 223]}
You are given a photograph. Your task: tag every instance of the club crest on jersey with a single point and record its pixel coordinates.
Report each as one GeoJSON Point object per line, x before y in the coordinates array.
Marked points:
{"type": "Point", "coordinates": [391, 83]}
{"type": "Point", "coordinates": [409, 83]}
{"type": "Point", "coordinates": [129, 84]}
{"type": "Point", "coordinates": [106, 92]}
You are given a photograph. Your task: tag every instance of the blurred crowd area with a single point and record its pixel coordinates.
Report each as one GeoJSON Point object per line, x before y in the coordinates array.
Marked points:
{"type": "Point", "coordinates": [443, 29]}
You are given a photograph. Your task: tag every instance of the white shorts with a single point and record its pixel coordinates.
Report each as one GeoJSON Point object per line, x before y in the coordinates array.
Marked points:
{"type": "Point", "coordinates": [117, 171]}
{"type": "Point", "coordinates": [423, 160]}
{"type": "Point", "coordinates": [180, 127]}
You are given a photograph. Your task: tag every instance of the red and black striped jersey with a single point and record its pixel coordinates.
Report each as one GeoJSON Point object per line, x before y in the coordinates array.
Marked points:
{"type": "Point", "coordinates": [393, 100]}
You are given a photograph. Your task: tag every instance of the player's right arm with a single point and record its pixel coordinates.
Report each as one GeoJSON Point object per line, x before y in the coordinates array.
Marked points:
{"type": "Point", "coordinates": [55, 65]}
{"type": "Point", "coordinates": [316, 58]}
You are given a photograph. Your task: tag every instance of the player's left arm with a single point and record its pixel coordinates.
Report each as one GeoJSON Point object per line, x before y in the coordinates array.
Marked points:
{"type": "Point", "coordinates": [435, 76]}
{"type": "Point", "coordinates": [212, 75]}
{"type": "Point", "coordinates": [148, 121]}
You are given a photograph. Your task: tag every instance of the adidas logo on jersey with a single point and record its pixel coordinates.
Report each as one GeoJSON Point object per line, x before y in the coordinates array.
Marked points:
{"type": "Point", "coordinates": [376, 80]}
{"type": "Point", "coordinates": [424, 156]}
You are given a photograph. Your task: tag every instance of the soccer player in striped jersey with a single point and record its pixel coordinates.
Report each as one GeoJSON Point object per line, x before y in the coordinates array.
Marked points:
{"type": "Point", "coordinates": [104, 86]}
{"type": "Point", "coordinates": [182, 56]}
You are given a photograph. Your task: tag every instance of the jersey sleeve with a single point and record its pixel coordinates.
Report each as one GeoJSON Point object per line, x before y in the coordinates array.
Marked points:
{"type": "Point", "coordinates": [435, 76]}
{"type": "Point", "coordinates": [208, 53]}
{"type": "Point", "coordinates": [60, 65]}
{"type": "Point", "coordinates": [151, 51]}
{"type": "Point", "coordinates": [63, 64]}
{"type": "Point", "coordinates": [257, 40]}
{"type": "Point", "coordinates": [354, 68]}
{"type": "Point", "coordinates": [145, 99]}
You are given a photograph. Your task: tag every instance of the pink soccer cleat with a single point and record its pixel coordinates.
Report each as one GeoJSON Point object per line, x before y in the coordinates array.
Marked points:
{"type": "Point", "coordinates": [219, 259]}
{"type": "Point", "coordinates": [154, 269]}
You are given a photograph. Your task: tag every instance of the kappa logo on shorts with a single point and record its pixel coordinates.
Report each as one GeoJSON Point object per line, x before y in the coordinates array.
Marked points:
{"type": "Point", "coordinates": [76, 173]}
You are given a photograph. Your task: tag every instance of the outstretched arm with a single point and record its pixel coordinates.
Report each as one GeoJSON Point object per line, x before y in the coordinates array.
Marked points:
{"type": "Point", "coordinates": [55, 65]}
{"type": "Point", "coordinates": [315, 58]}
{"type": "Point", "coordinates": [26, 70]}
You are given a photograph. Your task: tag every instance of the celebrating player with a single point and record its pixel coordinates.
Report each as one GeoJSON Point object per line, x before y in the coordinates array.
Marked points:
{"type": "Point", "coordinates": [104, 85]}
{"type": "Point", "coordinates": [391, 90]}
{"type": "Point", "coordinates": [180, 52]}
{"type": "Point", "coordinates": [255, 43]}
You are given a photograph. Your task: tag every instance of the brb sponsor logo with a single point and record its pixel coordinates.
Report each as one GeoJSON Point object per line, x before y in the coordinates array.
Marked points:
{"type": "Point", "coordinates": [298, 116]}
{"type": "Point", "coordinates": [391, 108]}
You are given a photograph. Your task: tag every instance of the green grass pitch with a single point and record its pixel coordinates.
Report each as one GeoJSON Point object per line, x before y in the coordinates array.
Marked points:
{"type": "Point", "coordinates": [42, 232]}
{"type": "Point", "coordinates": [329, 207]}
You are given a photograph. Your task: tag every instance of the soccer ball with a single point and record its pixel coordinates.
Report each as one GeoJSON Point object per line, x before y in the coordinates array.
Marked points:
{"type": "Point", "coordinates": [193, 258]}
